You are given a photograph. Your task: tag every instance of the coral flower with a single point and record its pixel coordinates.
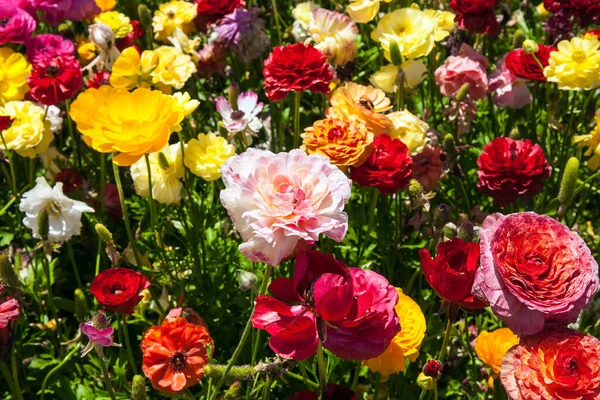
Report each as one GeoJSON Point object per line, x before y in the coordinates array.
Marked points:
{"type": "Point", "coordinates": [334, 35]}
{"type": "Point", "coordinates": [14, 70]}
{"type": "Point", "coordinates": [592, 142]}
{"type": "Point", "coordinates": [48, 45]}
{"type": "Point", "coordinates": [476, 16]}
{"type": "Point", "coordinates": [534, 270]}
{"type": "Point", "coordinates": [296, 67]}
{"type": "Point", "coordinates": [492, 346]}
{"type": "Point", "coordinates": [118, 289]}
{"type": "Point", "coordinates": [278, 202]}
{"type": "Point", "coordinates": [16, 25]}
{"type": "Point", "coordinates": [206, 155]}
{"type": "Point", "coordinates": [174, 354]}
{"type": "Point", "coordinates": [575, 65]}
{"type": "Point", "coordinates": [524, 66]}
{"type": "Point", "coordinates": [55, 79]}
{"type": "Point", "coordinates": [131, 123]}
{"type": "Point", "coordinates": [557, 364]}
{"type": "Point", "coordinates": [406, 344]}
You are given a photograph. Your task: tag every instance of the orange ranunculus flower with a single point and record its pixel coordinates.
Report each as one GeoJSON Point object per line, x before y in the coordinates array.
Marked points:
{"type": "Point", "coordinates": [345, 143]}
{"type": "Point", "coordinates": [366, 104]}
{"type": "Point", "coordinates": [492, 346]}
{"type": "Point", "coordinates": [130, 123]}
{"type": "Point", "coordinates": [174, 354]}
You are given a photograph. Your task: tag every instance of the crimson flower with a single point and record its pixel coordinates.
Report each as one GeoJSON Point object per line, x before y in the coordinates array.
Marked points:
{"type": "Point", "coordinates": [349, 309]}
{"type": "Point", "coordinates": [476, 16]}
{"type": "Point", "coordinates": [210, 11]}
{"type": "Point", "coordinates": [130, 39]}
{"type": "Point", "coordinates": [118, 289]}
{"type": "Point", "coordinates": [9, 311]}
{"type": "Point", "coordinates": [99, 79]}
{"type": "Point", "coordinates": [5, 122]}
{"type": "Point", "coordinates": [388, 168]}
{"type": "Point", "coordinates": [54, 79]}
{"type": "Point", "coordinates": [584, 12]}
{"type": "Point", "coordinates": [296, 67]}
{"type": "Point", "coordinates": [70, 179]}
{"type": "Point", "coordinates": [524, 66]}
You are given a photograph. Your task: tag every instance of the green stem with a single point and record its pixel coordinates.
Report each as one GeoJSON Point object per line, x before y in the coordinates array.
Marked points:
{"type": "Point", "coordinates": [297, 96]}
{"type": "Point", "coordinates": [55, 369]}
{"type": "Point", "coordinates": [9, 380]}
{"type": "Point", "coordinates": [75, 138]}
{"type": "Point", "coordinates": [442, 354]}
{"type": "Point", "coordinates": [15, 375]}
{"type": "Point", "coordinates": [46, 265]}
{"type": "Point", "coordinates": [372, 208]}
{"type": "Point", "coordinates": [266, 390]}
{"type": "Point", "coordinates": [276, 17]}
{"type": "Point", "coordinates": [109, 387]}
{"type": "Point", "coordinates": [399, 100]}
{"type": "Point", "coordinates": [377, 386]}
{"type": "Point", "coordinates": [74, 265]}
{"type": "Point", "coordinates": [356, 375]}
{"type": "Point", "coordinates": [123, 324]}
{"type": "Point", "coordinates": [322, 372]}
{"type": "Point", "coordinates": [306, 381]}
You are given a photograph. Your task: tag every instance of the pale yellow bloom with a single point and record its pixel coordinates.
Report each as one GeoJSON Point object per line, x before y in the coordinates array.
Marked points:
{"type": "Point", "coordinates": [592, 142]}
{"type": "Point", "coordinates": [131, 70]}
{"type": "Point", "coordinates": [363, 11]}
{"type": "Point", "coordinates": [118, 22]}
{"type": "Point", "coordinates": [445, 23]}
{"type": "Point", "coordinates": [409, 129]}
{"type": "Point", "coordinates": [29, 133]}
{"type": "Point", "coordinates": [492, 346]}
{"type": "Point", "coordinates": [184, 43]}
{"type": "Point", "coordinates": [576, 64]}
{"type": "Point", "coordinates": [174, 67]}
{"type": "Point", "coordinates": [386, 78]}
{"type": "Point", "coordinates": [14, 70]}
{"type": "Point", "coordinates": [206, 155]}
{"type": "Point", "coordinates": [172, 15]}
{"type": "Point", "coordinates": [334, 35]}
{"type": "Point", "coordinates": [302, 11]}
{"type": "Point", "coordinates": [184, 103]}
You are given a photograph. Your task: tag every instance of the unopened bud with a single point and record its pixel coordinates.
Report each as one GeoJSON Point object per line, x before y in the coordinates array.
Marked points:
{"type": "Point", "coordinates": [449, 231]}
{"type": "Point", "coordinates": [102, 35]}
{"type": "Point", "coordinates": [43, 225]}
{"type": "Point", "coordinates": [233, 91]}
{"type": "Point", "coordinates": [414, 188]}
{"type": "Point", "coordinates": [395, 55]}
{"type": "Point", "coordinates": [145, 16]}
{"type": "Point", "coordinates": [64, 30]}
{"type": "Point", "coordinates": [163, 162]}
{"type": "Point", "coordinates": [518, 38]}
{"type": "Point", "coordinates": [441, 216]}
{"type": "Point", "coordinates": [530, 47]}
{"type": "Point", "coordinates": [236, 373]}
{"type": "Point", "coordinates": [8, 277]}
{"type": "Point", "coordinates": [515, 133]}
{"type": "Point", "coordinates": [138, 388]}
{"type": "Point", "coordinates": [234, 392]}
{"type": "Point", "coordinates": [450, 146]}
{"type": "Point", "coordinates": [104, 234]}
{"type": "Point", "coordinates": [426, 382]}
{"type": "Point", "coordinates": [246, 280]}
{"type": "Point", "coordinates": [432, 368]}
{"type": "Point", "coordinates": [81, 307]}
{"type": "Point", "coordinates": [466, 232]}
{"type": "Point", "coordinates": [463, 92]}
{"type": "Point", "coordinates": [569, 182]}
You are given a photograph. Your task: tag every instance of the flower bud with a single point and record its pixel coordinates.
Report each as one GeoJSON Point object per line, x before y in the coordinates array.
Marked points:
{"type": "Point", "coordinates": [395, 54]}
{"type": "Point", "coordinates": [236, 373]}
{"type": "Point", "coordinates": [145, 16]}
{"type": "Point", "coordinates": [43, 225]}
{"type": "Point", "coordinates": [138, 388]}
{"type": "Point", "coordinates": [518, 38]}
{"type": "Point", "coordinates": [104, 234]}
{"type": "Point", "coordinates": [569, 182]}
{"type": "Point", "coordinates": [515, 133]}
{"type": "Point", "coordinates": [64, 30]}
{"type": "Point", "coordinates": [8, 277]}
{"type": "Point", "coordinates": [234, 392]}
{"type": "Point", "coordinates": [81, 307]}
{"type": "Point", "coordinates": [441, 216]}
{"type": "Point", "coordinates": [450, 146]}
{"type": "Point", "coordinates": [467, 232]}
{"type": "Point", "coordinates": [101, 35]}
{"type": "Point", "coordinates": [426, 382]}
{"type": "Point", "coordinates": [414, 188]}
{"type": "Point", "coordinates": [530, 47]}
{"type": "Point", "coordinates": [163, 162]}
{"type": "Point", "coordinates": [232, 93]}
{"type": "Point", "coordinates": [432, 368]}
{"type": "Point", "coordinates": [246, 280]}
{"type": "Point", "coordinates": [449, 231]}
{"type": "Point", "coordinates": [463, 92]}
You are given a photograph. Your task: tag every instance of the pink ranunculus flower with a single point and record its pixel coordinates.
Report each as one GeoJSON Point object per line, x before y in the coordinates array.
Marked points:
{"type": "Point", "coordinates": [282, 202]}
{"type": "Point", "coordinates": [57, 11]}
{"type": "Point", "coordinates": [9, 310]}
{"type": "Point", "coordinates": [468, 67]}
{"type": "Point", "coordinates": [508, 89]}
{"type": "Point", "coordinates": [534, 271]}
{"type": "Point", "coordinates": [16, 25]}
{"type": "Point", "coordinates": [48, 45]}
{"type": "Point", "coordinates": [428, 167]}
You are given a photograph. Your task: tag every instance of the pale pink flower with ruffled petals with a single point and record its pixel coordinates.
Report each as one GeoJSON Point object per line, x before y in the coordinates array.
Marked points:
{"type": "Point", "coordinates": [508, 89]}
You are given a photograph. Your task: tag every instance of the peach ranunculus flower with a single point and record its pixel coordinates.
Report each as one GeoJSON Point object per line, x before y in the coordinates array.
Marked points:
{"type": "Point", "coordinates": [281, 202]}
{"type": "Point", "coordinates": [344, 143]}
{"type": "Point", "coordinates": [334, 35]}
{"type": "Point", "coordinates": [557, 364]}
{"type": "Point", "coordinates": [129, 123]}
{"type": "Point", "coordinates": [406, 343]}
{"type": "Point", "coordinates": [492, 346]}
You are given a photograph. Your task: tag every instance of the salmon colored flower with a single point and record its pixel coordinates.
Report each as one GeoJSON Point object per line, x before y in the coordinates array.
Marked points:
{"type": "Point", "coordinates": [174, 354]}
{"type": "Point", "coordinates": [492, 346]}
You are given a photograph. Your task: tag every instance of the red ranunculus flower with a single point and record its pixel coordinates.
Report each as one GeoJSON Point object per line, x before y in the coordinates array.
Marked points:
{"type": "Point", "coordinates": [524, 65]}
{"type": "Point", "coordinates": [296, 67]}
{"type": "Point", "coordinates": [586, 12]}
{"type": "Point", "coordinates": [99, 79]}
{"type": "Point", "coordinates": [594, 32]}
{"type": "Point", "coordinates": [132, 37]}
{"type": "Point", "coordinates": [5, 122]}
{"type": "Point", "coordinates": [118, 289]}
{"type": "Point", "coordinates": [210, 11]}
{"type": "Point", "coordinates": [476, 16]}
{"type": "Point", "coordinates": [70, 179]}
{"type": "Point", "coordinates": [349, 309]}
{"type": "Point", "coordinates": [334, 392]}
{"type": "Point", "coordinates": [54, 79]}
{"type": "Point", "coordinates": [452, 272]}
{"type": "Point", "coordinates": [510, 169]}
{"type": "Point", "coordinates": [388, 168]}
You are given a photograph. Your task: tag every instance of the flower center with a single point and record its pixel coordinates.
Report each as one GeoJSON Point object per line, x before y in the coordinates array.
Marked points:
{"type": "Point", "coordinates": [116, 290]}
{"type": "Point", "coordinates": [237, 115]}
{"type": "Point", "coordinates": [4, 21]}
{"type": "Point", "coordinates": [101, 321]}
{"type": "Point", "coordinates": [366, 103]}
{"type": "Point", "coordinates": [178, 361]}
{"type": "Point", "coordinates": [334, 133]}
{"type": "Point", "coordinates": [579, 56]}
{"type": "Point", "coordinates": [171, 14]}
{"type": "Point", "coordinates": [52, 70]}
{"type": "Point", "coordinates": [53, 208]}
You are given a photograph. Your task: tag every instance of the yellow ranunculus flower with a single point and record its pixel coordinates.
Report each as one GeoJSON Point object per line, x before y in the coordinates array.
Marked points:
{"type": "Point", "coordinates": [576, 64]}
{"type": "Point", "coordinates": [29, 133]}
{"type": "Point", "coordinates": [302, 11]}
{"type": "Point", "coordinates": [445, 23]}
{"type": "Point", "coordinates": [406, 343]}
{"type": "Point", "coordinates": [131, 70]}
{"type": "Point", "coordinates": [130, 123]}
{"type": "Point", "coordinates": [86, 51]}
{"type": "Point", "coordinates": [184, 103]}
{"type": "Point", "coordinates": [172, 15]}
{"type": "Point", "coordinates": [592, 142]}
{"type": "Point", "coordinates": [14, 70]}
{"type": "Point", "coordinates": [410, 129]}
{"type": "Point", "coordinates": [542, 10]}
{"type": "Point", "coordinates": [386, 78]}
{"type": "Point", "coordinates": [106, 5]}
{"type": "Point", "coordinates": [206, 155]}
{"type": "Point", "coordinates": [492, 346]}
{"type": "Point", "coordinates": [118, 22]}
{"type": "Point", "coordinates": [412, 29]}
{"type": "Point", "coordinates": [363, 11]}
{"type": "Point", "coordinates": [166, 169]}
{"type": "Point", "coordinates": [174, 67]}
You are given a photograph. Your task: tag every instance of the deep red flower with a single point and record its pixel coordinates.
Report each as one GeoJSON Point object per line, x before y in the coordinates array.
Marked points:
{"type": "Point", "coordinates": [296, 67]}
{"type": "Point", "coordinates": [388, 168]}
{"type": "Point", "coordinates": [594, 32]}
{"type": "Point", "coordinates": [524, 65]}
{"type": "Point", "coordinates": [129, 40]}
{"type": "Point", "coordinates": [476, 16]}
{"type": "Point", "coordinates": [5, 122]}
{"type": "Point", "coordinates": [112, 203]}
{"type": "Point", "coordinates": [511, 169]}
{"type": "Point", "coordinates": [452, 272]}
{"type": "Point", "coordinates": [210, 11]}
{"type": "Point", "coordinates": [334, 392]}
{"type": "Point", "coordinates": [99, 79]}
{"type": "Point", "coordinates": [70, 179]}
{"type": "Point", "coordinates": [118, 289]}
{"type": "Point", "coordinates": [55, 79]}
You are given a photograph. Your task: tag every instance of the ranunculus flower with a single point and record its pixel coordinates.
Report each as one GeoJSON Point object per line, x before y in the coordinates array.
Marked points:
{"type": "Point", "coordinates": [334, 392]}
{"type": "Point", "coordinates": [567, 12]}
{"type": "Point", "coordinates": [99, 79]}
{"type": "Point", "coordinates": [296, 67]}
{"type": "Point", "coordinates": [137, 32]}
{"type": "Point", "coordinates": [70, 179]}
{"type": "Point", "coordinates": [468, 67]}
{"type": "Point", "coordinates": [452, 272]}
{"type": "Point", "coordinates": [524, 66]}
{"type": "Point", "coordinates": [349, 309]}
{"type": "Point", "coordinates": [28, 133]}
{"type": "Point", "coordinates": [410, 129]}
{"type": "Point", "coordinates": [14, 70]}
{"type": "Point", "coordinates": [534, 270]}
{"type": "Point", "coordinates": [428, 167]}
{"type": "Point", "coordinates": [99, 332]}
{"type": "Point", "coordinates": [510, 169]}
{"type": "Point", "coordinates": [210, 11]}
{"type": "Point", "coordinates": [509, 90]}
{"type": "Point", "coordinates": [560, 364]}
{"type": "Point", "coordinates": [9, 310]}
{"type": "Point", "coordinates": [16, 25]}
{"type": "Point", "coordinates": [334, 35]}
{"type": "Point", "coordinates": [492, 346]}
{"type": "Point", "coordinates": [118, 289]}
{"type": "Point", "coordinates": [244, 33]}
{"type": "Point", "coordinates": [211, 59]}
{"type": "Point", "coordinates": [55, 79]}
{"type": "Point", "coordinates": [206, 154]}
{"type": "Point", "coordinates": [278, 202]}
{"type": "Point", "coordinates": [57, 11]}
{"type": "Point", "coordinates": [476, 16]}
{"type": "Point", "coordinates": [388, 168]}
{"type": "Point", "coordinates": [48, 45]}
{"type": "Point", "coordinates": [244, 117]}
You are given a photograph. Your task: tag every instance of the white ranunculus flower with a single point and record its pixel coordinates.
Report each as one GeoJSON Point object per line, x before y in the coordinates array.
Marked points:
{"type": "Point", "coordinates": [53, 116]}
{"type": "Point", "coordinates": [64, 214]}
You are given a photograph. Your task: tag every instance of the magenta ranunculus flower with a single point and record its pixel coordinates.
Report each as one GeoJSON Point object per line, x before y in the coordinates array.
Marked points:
{"type": "Point", "coordinates": [349, 309]}
{"type": "Point", "coordinates": [280, 203]}
{"type": "Point", "coordinates": [48, 45]}
{"type": "Point", "coordinates": [534, 270]}
{"type": "Point", "coordinates": [57, 11]}
{"type": "Point", "coordinates": [16, 25]}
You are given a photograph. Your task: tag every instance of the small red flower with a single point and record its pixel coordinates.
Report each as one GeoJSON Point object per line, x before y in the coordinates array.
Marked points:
{"type": "Point", "coordinates": [210, 11]}
{"type": "Point", "coordinates": [118, 289]}
{"type": "Point", "coordinates": [524, 66]}
{"type": "Point", "coordinates": [132, 37]}
{"type": "Point", "coordinates": [5, 122]}
{"type": "Point", "coordinates": [476, 16]}
{"type": "Point", "coordinates": [388, 168]}
{"type": "Point", "coordinates": [296, 67]}
{"type": "Point", "coordinates": [99, 79]}
{"type": "Point", "coordinates": [511, 169]}
{"type": "Point", "coordinates": [334, 392]}
{"type": "Point", "coordinates": [70, 179]}
{"type": "Point", "coordinates": [55, 79]}
{"type": "Point", "coordinates": [432, 369]}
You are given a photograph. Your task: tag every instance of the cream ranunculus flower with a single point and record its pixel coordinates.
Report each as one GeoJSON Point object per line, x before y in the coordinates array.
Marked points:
{"type": "Point", "coordinates": [409, 129]}
{"type": "Point", "coordinates": [386, 78]}
{"type": "Point", "coordinates": [412, 29]}
{"type": "Point", "coordinates": [333, 34]}
{"type": "Point", "coordinates": [301, 14]}
{"type": "Point", "coordinates": [206, 155]}
{"type": "Point", "coordinates": [29, 133]}
{"type": "Point", "coordinates": [174, 67]}
{"type": "Point", "coordinates": [166, 167]}
{"type": "Point", "coordinates": [363, 11]}
{"type": "Point", "coordinates": [184, 103]}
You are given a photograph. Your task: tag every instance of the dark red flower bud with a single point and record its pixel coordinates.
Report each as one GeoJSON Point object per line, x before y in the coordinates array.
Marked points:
{"type": "Point", "coordinates": [432, 368]}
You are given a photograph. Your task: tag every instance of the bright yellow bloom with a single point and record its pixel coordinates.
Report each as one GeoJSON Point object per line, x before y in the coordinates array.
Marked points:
{"type": "Point", "coordinates": [29, 133]}
{"type": "Point", "coordinates": [86, 50]}
{"type": "Point", "coordinates": [386, 78]}
{"type": "Point", "coordinates": [363, 11]}
{"type": "Point", "coordinates": [166, 167]}
{"type": "Point", "coordinates": [445, 23]}
{"type": "Point", "coordinates": [106, 5]}
{"type": "Point", "coordinates": [412, 29]}
{"type": "Point", "coordinates": [174, 67]}
{"type": "Point", "coordinates": [592, 142]}
{"type": "Point", "coordinates": [131, 70]}
{"type": "Point", "coordinates": [333, 34]}
{"type": "Point", "coordinates": [130, 123]}
{"type": "Point", "coordinates": [206, 155]}
{"type": "Point", "coordinates": [542, 10]}
{"type": "Point", "coordinates": [14, 70]}
{"type": "Point", "coordinates": [118, 22]}
{"type": "Point", "coordinates": [172, 15]}
{"type": "Point", "coordinates": [576, 64]}
{"type": "Point", "coordinates": [409, 129]}
{"type": "Point", "coordinates": [406, 343]}
{"type": "Point", "coordinates": [492, 346]}
{"type": "Point", "coordinates": [184, 103]}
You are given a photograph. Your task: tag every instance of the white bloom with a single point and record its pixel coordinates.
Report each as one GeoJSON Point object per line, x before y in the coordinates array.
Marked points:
{"type": "Point", "coordinates": [64, 214]}
{"type": "Point", "coordinates": [53, 116]}
{"type": "Point", "coordinates": [244, 118]}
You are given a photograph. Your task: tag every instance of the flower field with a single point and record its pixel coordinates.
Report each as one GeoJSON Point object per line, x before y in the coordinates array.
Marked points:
{"type": "Point", "coordinates": [328, 200]}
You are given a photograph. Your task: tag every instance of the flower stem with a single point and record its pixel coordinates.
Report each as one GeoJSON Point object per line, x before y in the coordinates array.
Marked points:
{"type": "Point", "coordinates": [55, 369]}
{"type": "Point", "coordinates": [442, 354]}
{"type": "Point", "coordinates": [399, 100]}
{"type": "Point", "coordinates": [372, 208]}
{"type": "Point", "coordinates": [322, 371]}
{"type": "Point", "coordinates": [74, 265]}
{"type": "Point", "coordinates": [152, 201]}
{"type": "Point", "coordinates": [15, 375]}
{"type": "Point", "coordinates": [276, 17]}
{"type": "Point", "coordinates": [306, 381]}
{"type": "Point", "coordinates": [377, 386]}
{"type": "Point", "coordinates": [72, 133]}
{"type": "Point", "coordinates": [9, 380]}
{"type": "Point", "coordinates": [46, 265]}
{"type": "Point", "coordinates": [356, 375]}
{"type": "Point", "coordinates": [109, 387]}
{"type": "Point", "coordinates": [297, 96]}
{"type": "Point", "coordinates": [123, 324]}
